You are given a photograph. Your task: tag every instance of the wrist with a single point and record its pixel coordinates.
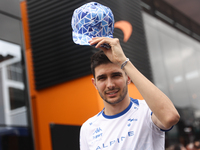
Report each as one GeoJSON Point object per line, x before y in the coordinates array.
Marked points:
{"type": "Point", "coordinates": [124, 63]}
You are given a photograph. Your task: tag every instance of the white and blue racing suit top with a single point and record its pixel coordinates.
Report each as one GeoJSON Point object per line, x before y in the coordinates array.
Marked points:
{"type": "Point", "coordinates": [132, 129]}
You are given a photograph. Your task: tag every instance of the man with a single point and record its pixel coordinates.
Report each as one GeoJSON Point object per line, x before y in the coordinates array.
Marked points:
{"type": "Point", "coordinates": [125, 123]}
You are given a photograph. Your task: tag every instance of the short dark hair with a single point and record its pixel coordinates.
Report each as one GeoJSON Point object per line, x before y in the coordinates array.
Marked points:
{"type": "Point", "coordinates": [97, 59]}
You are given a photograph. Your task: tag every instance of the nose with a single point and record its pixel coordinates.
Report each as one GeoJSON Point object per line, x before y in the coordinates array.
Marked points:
{"type": "Point", "coordinates": [110, 84]}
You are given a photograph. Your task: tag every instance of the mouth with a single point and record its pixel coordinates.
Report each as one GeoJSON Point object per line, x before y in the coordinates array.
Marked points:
{"type": "Point", "coordinates": [112, 93]}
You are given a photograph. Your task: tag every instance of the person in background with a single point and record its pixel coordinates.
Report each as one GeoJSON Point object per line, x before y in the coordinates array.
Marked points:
{"type": "Point", "coordinates": [176, 147]}
{"type": "Point", "coordinates": [193, 145]}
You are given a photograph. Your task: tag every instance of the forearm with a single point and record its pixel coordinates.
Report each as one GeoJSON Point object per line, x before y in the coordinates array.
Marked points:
{"type": "Point", "coordinates": [158, 102]}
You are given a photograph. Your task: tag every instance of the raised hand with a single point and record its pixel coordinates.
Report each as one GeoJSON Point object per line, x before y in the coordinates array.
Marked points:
{"type": "Point", "coordinates": [115, 54]}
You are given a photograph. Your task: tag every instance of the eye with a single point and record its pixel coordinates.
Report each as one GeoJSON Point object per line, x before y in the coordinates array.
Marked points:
{"type": "Point", "coordinates": [101, 78]}
{"type": "Point", "coordinates": [116, 75]}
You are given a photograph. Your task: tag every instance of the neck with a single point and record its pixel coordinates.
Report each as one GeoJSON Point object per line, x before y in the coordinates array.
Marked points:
{"type": "Point", "coordinates": [113, 109]}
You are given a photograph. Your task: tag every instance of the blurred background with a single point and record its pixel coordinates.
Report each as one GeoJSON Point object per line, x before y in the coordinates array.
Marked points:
{"type": "Point", "coordinates": [45, 79]}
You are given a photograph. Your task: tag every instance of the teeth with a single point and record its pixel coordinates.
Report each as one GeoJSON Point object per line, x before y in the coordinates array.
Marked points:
{"type": "Point", "coordinates": [112, 93]}
{"type": "Point", "coordinates": [109, 92]}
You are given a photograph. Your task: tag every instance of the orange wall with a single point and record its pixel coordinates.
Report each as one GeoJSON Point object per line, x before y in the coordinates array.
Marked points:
{"type": "Point", "coordinates": [70, 103]}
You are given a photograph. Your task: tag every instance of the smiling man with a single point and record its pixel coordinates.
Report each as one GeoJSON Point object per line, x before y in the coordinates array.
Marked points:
{"type": "Point", "coordinates": [111, 82]}
{"type": "Point", "coordinates": [125, 123]}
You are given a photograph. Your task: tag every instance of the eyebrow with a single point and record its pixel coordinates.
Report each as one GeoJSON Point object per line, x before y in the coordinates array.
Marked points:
{"type": "Point", "coordinates": [114, 73]}
{"type": "Point", "coordinates": [100, 76]}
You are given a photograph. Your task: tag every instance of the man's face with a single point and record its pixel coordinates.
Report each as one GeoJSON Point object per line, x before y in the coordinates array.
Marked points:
{"type": "Point", "coordinates": [111, 82]}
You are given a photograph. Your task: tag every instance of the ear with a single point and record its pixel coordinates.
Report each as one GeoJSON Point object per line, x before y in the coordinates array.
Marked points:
{"type": "Point", "coordinates": [129, 80]}
{"type": "Point", "coordinates": [94, 83]}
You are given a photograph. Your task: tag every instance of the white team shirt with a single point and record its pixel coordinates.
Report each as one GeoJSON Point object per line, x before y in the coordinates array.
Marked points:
{"type": "Point", "coordinates": [132, 129]}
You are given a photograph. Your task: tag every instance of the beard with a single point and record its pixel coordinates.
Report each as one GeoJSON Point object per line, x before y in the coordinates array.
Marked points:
{"type": "Point", "coordinates": [121, 96]}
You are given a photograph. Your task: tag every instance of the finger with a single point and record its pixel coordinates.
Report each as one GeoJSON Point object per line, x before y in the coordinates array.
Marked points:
{"type": "Point", "coordinates": [99, 43]}
{"type": "Point", "coordinates": [103, 43]}
{"type": "Point", "coordinates": [94, 41]}
{"type": "Point", "coordinates": [97, 38]}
